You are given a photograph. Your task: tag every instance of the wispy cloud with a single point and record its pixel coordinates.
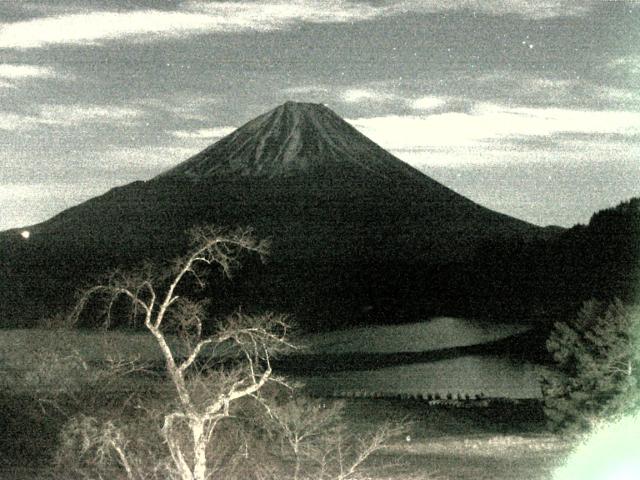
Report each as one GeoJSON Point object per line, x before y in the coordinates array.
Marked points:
{"type": "Point", "coordinates": [27, 204]}
{"type": "Point", "coordinates": [92, 28]}
{"type": "Point", "coordinates": [74, 114]}
{"type": "Point", "coordinates": [304, 89]}
{"type": "Point", "coordinates": [428, 102]}
{"type": "Point", "coordinates": [630, 63]}
{"type": "Point", "coordinates": [201, 17]}
{"type": "Point", "coordinates": [504, 87]}
{"type": "Point", "coordinates": [96, 27]}
{"type": "Point", "coordinates": [139, 162]}
{"type": "Point", "coordinates": [66, 116]}
{"type": "Point", "coordinates": [491, 123]}
{"type": "Point", "coordinates": [20, 71]}
{"type": "Point", "coordinates": [527, 85]}
{"type": "Point", "coordinates": [182, 105]}
{"type": "Point", "coordinates": [204, 133]}
{"type": "Point", "coordinates": [366, 95]}
{"type": "Point", "coordinates": [531, 89]}
{"type": "Point", "coordinates": [525, 8]}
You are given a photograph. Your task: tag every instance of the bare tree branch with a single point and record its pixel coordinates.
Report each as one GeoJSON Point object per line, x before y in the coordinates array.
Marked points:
{"type": "Point", "coordinates": [255, 338]}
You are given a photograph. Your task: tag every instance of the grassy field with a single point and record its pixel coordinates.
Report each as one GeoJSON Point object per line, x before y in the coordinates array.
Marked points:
{"type": "Point", "coordinates": [502, 442]}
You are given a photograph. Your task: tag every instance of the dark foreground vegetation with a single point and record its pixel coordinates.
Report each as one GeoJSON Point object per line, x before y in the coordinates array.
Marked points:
{"type": "Point", "coordinates": [505, 441]}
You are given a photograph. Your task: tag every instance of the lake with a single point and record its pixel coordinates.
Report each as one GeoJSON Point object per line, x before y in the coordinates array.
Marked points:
{"type": "Point", "coordinates": [496, 376]}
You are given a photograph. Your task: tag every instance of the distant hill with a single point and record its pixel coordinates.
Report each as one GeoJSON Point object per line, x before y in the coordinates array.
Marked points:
{"type": "Point", "coordinates": [550, 278]}
{"type": "Point", "coordinates": [358, 235]}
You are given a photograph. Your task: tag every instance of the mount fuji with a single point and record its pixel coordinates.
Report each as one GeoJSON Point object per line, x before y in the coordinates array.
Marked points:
{"type": "Point", "coordinates": [357, 234]}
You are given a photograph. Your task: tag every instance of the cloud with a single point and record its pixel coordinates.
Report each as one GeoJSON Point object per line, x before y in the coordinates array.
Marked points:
{"type": "Point", "coordinates": [429, 102]}
{"type": "Point", "coordinates": [75, 114]}
{"type": "Point", "coordinates": [67, 115]}
{"type": "Point", "coordinates": [130, 164]}
{"type": "Point", "coordinates": [310, 89]}
{"type": "Point", "coordinates": [360, 95]}
{"type": "Point", "coordinates": [203, 17]}
{"type": "Point", "coordinates": [16, 122]}
{"type": "Point", "coordinates": [626, 96]}
{"type": "Point", "coordinates": [79, 177]}
{"type": "Point", "coordinates": [11, 74]}
{"type": "Point", "coordinates": [364, 95]}
{"type": "Point", "coordinates": [204, 133]}
{"type": "Point", "coordinates": [96, 27]}
{"type": "Point", "coordinates": [629, 64]}
{"type": "Point", "coordinates": [183, 105]}
{"type": "Point", "coordinates": [531, 89]}
{"type": "Point", "coordinates": [17, 72]}
{"type": "Point", "coordinates": [91, 28]}
{"type": "Point", "coordinates": [309, 93]}
{"type": "Point", "coordinates": [535, 10]}
{"type": "Point", "coordinates": [531, 83]}
{"type": "Point", "coordinates": [488, 123]}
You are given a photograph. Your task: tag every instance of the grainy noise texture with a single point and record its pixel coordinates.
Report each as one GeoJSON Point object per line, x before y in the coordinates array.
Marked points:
{"type": "Point", "coordinates": [531, 109]}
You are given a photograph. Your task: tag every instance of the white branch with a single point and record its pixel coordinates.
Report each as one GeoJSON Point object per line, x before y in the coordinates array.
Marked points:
{"type": "Point", "coordinates": [194, 354]}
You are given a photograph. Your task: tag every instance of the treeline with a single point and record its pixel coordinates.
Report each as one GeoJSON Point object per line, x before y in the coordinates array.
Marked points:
{"type": "Point", "coordinates": [553, 277]}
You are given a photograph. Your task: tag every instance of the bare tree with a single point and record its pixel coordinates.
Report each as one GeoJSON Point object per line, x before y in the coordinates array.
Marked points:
{"type": "Point", "coordinates": [247, 342]}
{"type": "Point", "coordinates": [322, 447]}
{"type": "Point", "coordinates": [213, 379]}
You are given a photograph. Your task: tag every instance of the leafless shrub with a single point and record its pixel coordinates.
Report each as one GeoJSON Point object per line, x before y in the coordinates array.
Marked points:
{"type": "Point", "coordinates": [316, 441]}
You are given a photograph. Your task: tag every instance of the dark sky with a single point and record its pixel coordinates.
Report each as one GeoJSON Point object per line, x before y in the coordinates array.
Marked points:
{"type": "Point", "coordinates": [529, 108]}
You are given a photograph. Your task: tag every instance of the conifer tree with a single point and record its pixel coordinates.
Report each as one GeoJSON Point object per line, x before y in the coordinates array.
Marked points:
{"type": "Point", "coordinates": [597, 357]}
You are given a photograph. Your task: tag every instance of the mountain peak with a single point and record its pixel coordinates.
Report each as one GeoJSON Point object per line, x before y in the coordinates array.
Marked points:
{"type": "Point", "coordinates": [291, 105]}
{"type": "Point", "coordinates": [300, 108]}
{"type": "Point", "coordinates": [295, 138]}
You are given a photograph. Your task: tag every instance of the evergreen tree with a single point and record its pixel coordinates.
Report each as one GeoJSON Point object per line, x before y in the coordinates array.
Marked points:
{"type": "Point", "coordinates": [597, 357]}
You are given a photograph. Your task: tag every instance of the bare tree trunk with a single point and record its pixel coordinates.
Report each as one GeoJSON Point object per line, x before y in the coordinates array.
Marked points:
{"type": "Point", "coordinates": [296, 472]}
{"type": "Point", "coordinates": [199, 449]}
{"type": "Point", "coordinates": [175, 450]}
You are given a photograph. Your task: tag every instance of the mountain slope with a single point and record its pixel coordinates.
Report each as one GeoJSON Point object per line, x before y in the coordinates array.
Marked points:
{"type": "Point", "coordinates": [294, 138]}
{"type": "Point", "coordinates": [356, 232]}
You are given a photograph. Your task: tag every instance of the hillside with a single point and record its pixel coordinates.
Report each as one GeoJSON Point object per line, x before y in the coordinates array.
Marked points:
{"type": "Point", "coordinates": [552, 277]}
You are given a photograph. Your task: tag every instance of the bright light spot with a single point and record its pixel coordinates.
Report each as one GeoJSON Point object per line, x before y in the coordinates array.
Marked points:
{"type": "Point", "coordinates": [610, 453]}
{"type": "Point", "coordinates": [25, 234]}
